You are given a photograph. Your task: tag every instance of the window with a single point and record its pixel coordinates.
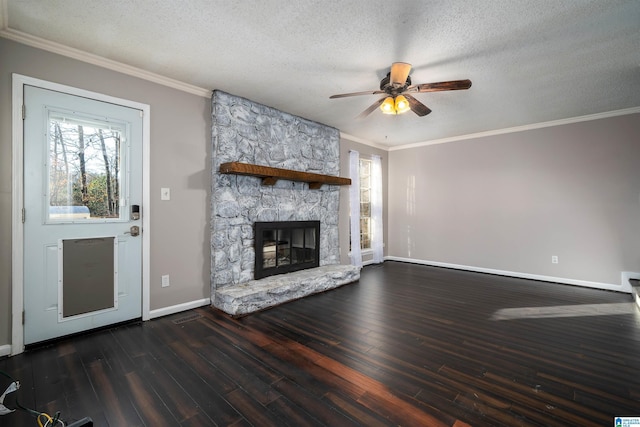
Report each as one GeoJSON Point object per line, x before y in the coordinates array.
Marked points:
{"type": "Point", "coordinates": [365, 201]}
{"type": "Point", "coordinates": [85, 168]}
{"type": "Point", "coordinates": [365, 204]}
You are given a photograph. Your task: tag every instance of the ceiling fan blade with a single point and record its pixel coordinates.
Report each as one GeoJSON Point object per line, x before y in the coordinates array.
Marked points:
{"type": "Point", "coordinates": [436, 87]}
{"type": "Point", "coordinates": [371, 108]}
{"type": "Point", "coordinates": [416, 106]}
{"type": "Point", "coordinates": [399, 73]}
{"type": "Point", "coordinates": [368, 92]}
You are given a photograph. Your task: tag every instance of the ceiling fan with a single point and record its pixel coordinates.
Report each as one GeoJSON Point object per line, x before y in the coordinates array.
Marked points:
{"type": "Point", "coordinates": [397, 89]}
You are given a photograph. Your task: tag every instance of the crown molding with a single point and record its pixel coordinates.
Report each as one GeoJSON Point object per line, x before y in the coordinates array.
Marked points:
{"type": "Point", "coordinates": [100, 61]}
{"type": "Point", "coordinates": [541, 125]}
{"type": "Point", "coordinates": [363, 141]}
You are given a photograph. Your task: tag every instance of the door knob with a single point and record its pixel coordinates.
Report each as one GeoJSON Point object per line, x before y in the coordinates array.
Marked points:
{"type": "Point", "coordinates": [134, 231]}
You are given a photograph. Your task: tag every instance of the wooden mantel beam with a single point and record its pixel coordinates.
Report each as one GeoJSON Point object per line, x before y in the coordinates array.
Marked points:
{"type": "Point", "coordinates": [271, 175]}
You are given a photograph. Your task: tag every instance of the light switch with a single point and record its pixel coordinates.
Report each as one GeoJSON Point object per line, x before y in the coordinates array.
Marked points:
{"type": "Point", "coordinates": [165, 194]}
{"type": "Point", "coordinates": [165, 281]}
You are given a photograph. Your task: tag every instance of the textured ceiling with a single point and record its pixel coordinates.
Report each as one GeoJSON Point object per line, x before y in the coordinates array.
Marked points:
{"type": "Point", "coordinates": [530, 61]}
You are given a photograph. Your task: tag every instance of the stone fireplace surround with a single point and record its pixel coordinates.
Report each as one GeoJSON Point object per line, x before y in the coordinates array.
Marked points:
{"type": "Point", "coordinates": [245, 131]}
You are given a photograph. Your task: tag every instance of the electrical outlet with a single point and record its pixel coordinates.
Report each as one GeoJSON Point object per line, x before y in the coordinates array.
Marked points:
{"type": "Point", "coordinates": [165, 281]}
{"type": "Point", "coordinates": [554, 259]}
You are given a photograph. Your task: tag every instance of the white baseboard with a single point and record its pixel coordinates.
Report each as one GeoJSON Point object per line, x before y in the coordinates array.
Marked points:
{"type": "Point", "coordinates": [563, 280]}
{"type": "Point", "coordinates": [165, 311]}
{"type": "Point", "coordinates": [626, 275]}
{"type": "Point", "coordinates": [5, 350]}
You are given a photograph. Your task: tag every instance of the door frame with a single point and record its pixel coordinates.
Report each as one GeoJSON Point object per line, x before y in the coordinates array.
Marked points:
{"type": "Point", "coordinates": [17, 198]}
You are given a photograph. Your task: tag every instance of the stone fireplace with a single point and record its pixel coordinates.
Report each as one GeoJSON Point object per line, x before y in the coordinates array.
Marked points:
{"type": "Point", "coordinates": [248, 132]}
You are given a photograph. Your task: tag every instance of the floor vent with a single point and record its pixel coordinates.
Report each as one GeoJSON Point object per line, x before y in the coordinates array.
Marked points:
{"type": "Point", "coordinates": [188, 318]}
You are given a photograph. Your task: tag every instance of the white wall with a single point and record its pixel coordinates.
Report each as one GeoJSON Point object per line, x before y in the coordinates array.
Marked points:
{"type": "Point", "coordinates": [510, 202]}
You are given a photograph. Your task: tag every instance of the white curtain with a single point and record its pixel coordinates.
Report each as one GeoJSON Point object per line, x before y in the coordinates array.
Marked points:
{"type": "Point", "coordinates": [354, 205]}
{"type": "Point", "coordinates": [376, 210]}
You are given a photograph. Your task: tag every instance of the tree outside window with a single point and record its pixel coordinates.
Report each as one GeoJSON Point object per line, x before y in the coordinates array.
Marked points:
{"type": "Point", "coordinates": [84, 169]}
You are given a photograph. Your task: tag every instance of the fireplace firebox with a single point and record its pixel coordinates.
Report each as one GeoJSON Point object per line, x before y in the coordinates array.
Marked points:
{"type": "Point", "coordinates": [286, 246]}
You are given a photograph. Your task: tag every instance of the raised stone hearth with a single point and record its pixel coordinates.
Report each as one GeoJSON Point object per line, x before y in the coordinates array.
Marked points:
{"type": "Point", "coordinates": [257, 295]}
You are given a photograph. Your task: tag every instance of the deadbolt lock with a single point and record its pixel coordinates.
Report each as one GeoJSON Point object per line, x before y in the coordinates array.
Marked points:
{"type": "Point", "coordinates": [134, 231]}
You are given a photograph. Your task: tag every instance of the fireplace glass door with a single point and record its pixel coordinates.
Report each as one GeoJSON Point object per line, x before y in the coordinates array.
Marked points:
{"type": "Point", "coordinates": [276, 250]}
{"type": "Point", "coordinates": [283, 247]}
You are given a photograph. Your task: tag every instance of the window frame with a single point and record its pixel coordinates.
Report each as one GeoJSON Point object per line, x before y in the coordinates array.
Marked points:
{"type": "Point", "coordinates": [122, 177]}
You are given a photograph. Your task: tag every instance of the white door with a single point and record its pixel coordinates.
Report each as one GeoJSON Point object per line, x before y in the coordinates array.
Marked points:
{"type": "Point", "coordinates": [82, 197]}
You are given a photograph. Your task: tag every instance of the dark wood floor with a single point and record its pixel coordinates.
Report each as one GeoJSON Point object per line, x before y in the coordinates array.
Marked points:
{"type": "Point", "coordinates": [408, 345]}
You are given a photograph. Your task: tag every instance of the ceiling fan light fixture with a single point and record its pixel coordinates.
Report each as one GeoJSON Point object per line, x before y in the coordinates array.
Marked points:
{"type": "Point", "coordinates": [397, 82]}
{"type": "Point", "coordinates": [402, 105]}
{"type": "Point", "coordinates": [388, 106]}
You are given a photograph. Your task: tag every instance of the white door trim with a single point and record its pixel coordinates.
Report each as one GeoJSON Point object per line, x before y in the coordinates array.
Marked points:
{"type": "Point", "coordinates": [17, 198]}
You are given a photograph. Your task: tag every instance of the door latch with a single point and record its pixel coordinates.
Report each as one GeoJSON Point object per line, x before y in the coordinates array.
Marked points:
{"type": "Point", "coordinates": [134, 231]}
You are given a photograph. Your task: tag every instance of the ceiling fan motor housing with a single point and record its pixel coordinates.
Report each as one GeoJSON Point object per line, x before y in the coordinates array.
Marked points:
{"type": "Point", "coordinates": [386, 86]}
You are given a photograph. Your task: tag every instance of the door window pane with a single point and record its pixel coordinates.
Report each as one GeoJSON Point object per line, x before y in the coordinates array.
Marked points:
{"type": "Point", "coordinates": [84, 169]}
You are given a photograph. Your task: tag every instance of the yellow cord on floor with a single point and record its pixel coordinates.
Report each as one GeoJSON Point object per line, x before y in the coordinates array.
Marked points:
{"type": "Point", "coordinates": [50, 422]}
